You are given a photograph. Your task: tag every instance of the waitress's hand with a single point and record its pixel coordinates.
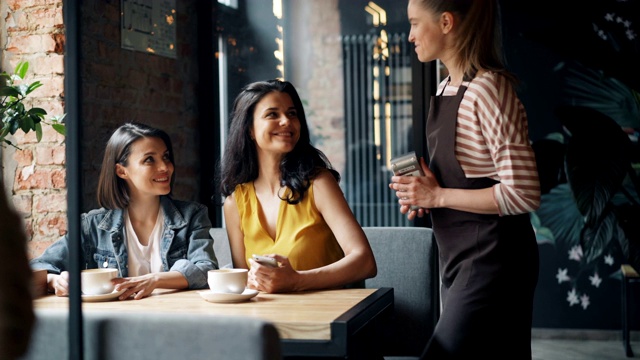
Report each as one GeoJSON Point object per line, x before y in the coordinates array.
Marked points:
{"type": "Point", "coordinates": [282, 278]}
{"type": "Point", "coordinates": [422, 191]}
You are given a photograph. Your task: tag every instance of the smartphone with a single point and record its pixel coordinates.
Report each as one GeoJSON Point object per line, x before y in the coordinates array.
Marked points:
{"type": "Point", "coordinates": [407, 165]}
{"type": "Point", "coordinates": [265, 260]}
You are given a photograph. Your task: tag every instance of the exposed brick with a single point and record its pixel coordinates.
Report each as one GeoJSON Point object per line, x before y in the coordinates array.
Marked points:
{"type": "Point", "coordinates": [44, 155]}
{"type": "Point", "coordinates": [52, 225]}
{"type": "Point", "coordinates": [48, 64]}
{"type": "Point", "coordinates": [48, 135]}
{"type": "Point", "coordinates": [24, 4]}
{"type": "Point", "coordinates": [24, 157]}
{"type": "Point", "coordinates": [28, 228]}
{"type": "Point", "coordinates": [34, 32]}
{"type": "Point", "coordinates": [23, 204]}
{"type": "Point", "coordinates": [51, 87]}
{"type": "Point", "coordinates": [60, 41]}
{"type": "Point", "coordinates": [31, 44]}
{"type": "Point", "coordinates": [38, 19]}
{"type": "Point", "coordinates": [31, 177]}
{"type": "Point", "coordinates": [59, 179]}
{"type": "Point", "coordinates": [52, 107]}
{"type": "Point", "coordinates": [36, 248]}
{"type": "Point", "coordinates": [50, 155]}
{"type": "Point", "coordinates": [46, 203]}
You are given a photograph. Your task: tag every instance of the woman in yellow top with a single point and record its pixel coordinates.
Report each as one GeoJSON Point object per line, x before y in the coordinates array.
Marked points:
{"type": "Point", "coordinates": [283, 200]}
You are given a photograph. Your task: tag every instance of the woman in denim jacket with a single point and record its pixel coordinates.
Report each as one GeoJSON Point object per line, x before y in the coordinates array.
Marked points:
{"type": "Point", "coordinates": [153, 240]}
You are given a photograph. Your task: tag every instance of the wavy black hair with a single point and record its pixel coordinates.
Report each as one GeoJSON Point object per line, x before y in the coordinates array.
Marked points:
{"type": "Point", "coordinates": [240, 161]}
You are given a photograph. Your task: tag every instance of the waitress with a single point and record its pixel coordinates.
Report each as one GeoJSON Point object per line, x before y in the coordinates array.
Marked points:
{"type": "Point", "coordinates": [479, 187]}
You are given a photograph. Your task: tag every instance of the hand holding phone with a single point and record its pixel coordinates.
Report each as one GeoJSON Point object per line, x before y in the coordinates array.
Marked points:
{"type": "Point", "coordinates": [265, 260]}
{"type": "Point", "coordinates": [407, 165]}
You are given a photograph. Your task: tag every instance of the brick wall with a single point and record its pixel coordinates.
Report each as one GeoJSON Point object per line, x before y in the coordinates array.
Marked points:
{"type": "Point", "coordinates": [117, 86]}
{"type": "Point", "coordinates": [121, 85]}
{"type": "Point", "coordinates": [34, 174]}
{"type": "Point", "coordinates": [316, 72]}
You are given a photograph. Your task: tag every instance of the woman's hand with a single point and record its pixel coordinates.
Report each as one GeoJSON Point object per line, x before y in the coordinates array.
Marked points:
{"type": "Point", "coordinates": [59, 283]}
{"type": "Point", "coordinates": [423, 191]}
{"type": "Point", "coordinates": [139, 286]}
{"type": "Point", "coordinates": [282, 278]}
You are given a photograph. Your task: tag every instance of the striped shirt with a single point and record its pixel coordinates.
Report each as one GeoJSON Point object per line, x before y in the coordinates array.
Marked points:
{"type": "Point", "coordinates": [492, 140]}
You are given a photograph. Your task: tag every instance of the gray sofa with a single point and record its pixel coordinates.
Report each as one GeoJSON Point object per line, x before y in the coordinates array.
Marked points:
{"type": "Point", "coordinates": [155, 336]}
{"type": "Point", "coordinates": [407, 262]}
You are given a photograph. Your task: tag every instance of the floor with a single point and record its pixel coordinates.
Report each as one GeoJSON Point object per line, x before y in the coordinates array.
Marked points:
{"type": "Point", "coordinates": [583, 345]}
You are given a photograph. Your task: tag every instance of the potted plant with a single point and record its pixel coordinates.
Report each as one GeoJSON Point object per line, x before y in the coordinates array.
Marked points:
{"type": "Point", "coordinates": [15, 116]}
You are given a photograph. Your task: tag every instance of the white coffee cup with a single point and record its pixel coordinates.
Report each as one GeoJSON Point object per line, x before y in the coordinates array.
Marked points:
{"type": "Point", "coordinates": [97, 281]}
{"type": "Point", "coordinates": [232, 281]}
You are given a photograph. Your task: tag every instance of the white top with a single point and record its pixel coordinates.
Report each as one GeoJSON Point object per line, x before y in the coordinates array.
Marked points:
{"type": "Point", "coordinates": [144, 259]}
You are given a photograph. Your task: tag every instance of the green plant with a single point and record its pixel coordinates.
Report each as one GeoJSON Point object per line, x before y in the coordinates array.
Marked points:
{"type": "Point", "coordinates": [15, 116]}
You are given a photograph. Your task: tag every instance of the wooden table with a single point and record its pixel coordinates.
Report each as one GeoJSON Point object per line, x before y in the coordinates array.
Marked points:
{"type": "Point", "coordinates": [315, 323]}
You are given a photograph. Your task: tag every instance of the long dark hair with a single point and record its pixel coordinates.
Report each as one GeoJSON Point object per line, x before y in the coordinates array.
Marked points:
{"type": "Point", "coordinates": [240, 161]}
{"type": "Point", "coordinates": [113, 192]}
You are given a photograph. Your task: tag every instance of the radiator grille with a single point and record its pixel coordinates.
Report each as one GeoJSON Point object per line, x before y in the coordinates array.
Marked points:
{"type": "Point", "coordinates": [377, 73]}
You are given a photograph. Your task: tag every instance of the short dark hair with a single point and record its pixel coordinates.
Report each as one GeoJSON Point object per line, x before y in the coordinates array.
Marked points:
{"type": "Point", "coordinates": [113, 192]}
{"type": "Point", "coordinates": [240, 161]}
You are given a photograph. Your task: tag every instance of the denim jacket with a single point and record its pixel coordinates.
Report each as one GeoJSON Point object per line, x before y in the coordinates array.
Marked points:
{"type": "Point", "coordinates": [186, 244]}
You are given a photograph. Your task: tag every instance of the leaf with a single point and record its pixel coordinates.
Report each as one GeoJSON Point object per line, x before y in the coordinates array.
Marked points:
{"type": "Point", "coordinates": [23, 89]}
{"type": "Point", "coordinates": [558, 213]}
{"type": "Point", "coordinates": [22, 68]}
{"type": "Point", "coordinates": [38, 132]}
{"type": "Point", "coordinates": [36, 119]}
{"type": "Point", "coordinates": [14, 125]}
{"type": "Point", "coordinates": [18, 107]}
{"type": "Point", "coordinates": [58, 118]}
{"type": "Point", "coordinates": [33, 86]}
{"type": "Point", "coordinates": [37, 111]}
{"type": "Point", "coordinates": [61, 129]}
{"type": "Point", "coordinates": [9, 91]}
{"type": "Point", "coordinates": [597, 159]}
{"type": "Point", "coordinates": [26, 124]}
{"type": "Point", "coordinates": [13, 113]}
{"type": "Point", "coordinates": [591, 88]}
{"type": "Point", "coordinates": [544, 235]}
{"type": "Point", "coordinates": [606, 233]}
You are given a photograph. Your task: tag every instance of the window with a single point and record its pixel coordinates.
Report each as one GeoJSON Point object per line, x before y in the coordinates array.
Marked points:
{"type": "Point", "coordinates": [351, 64]}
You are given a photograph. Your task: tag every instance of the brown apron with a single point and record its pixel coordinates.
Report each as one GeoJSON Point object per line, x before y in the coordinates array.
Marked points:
{"type": "Point", "coordinates": [488, 263]}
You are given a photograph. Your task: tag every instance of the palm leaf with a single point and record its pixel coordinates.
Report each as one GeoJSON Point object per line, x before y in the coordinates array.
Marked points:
{"type": "Point", "coordinates": [591, 88]}
{"type": "Point", "coordinates": [597, 159]}
{"type": "Point", "coordinates": [596, 239]}
{"type": "Point", "coordinates": [559, 215]}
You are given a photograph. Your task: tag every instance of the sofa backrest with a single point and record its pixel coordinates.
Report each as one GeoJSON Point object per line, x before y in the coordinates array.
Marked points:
{"type": "Point", "coordinates": [407, 261]}
{"type": "Point", "coordinates": [221, 247]}
{"type": "Point", "coordinates": [155, 336]}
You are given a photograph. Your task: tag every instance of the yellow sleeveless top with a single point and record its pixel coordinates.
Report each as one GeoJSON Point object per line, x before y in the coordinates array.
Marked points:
{"type": "Point", "coordinates": [302, 235]}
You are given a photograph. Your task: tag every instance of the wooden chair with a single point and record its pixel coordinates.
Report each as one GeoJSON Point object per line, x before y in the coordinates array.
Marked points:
{"type": "Point", "coordinates": [629, 276]}
{"type": "Point", "coordinates": [221, 247]}
{"type": "Point", "coordinates": [407, 261]}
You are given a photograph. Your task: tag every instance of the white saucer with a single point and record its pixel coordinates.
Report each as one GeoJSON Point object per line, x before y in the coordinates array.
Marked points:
{"type": "Point", "coordinates": [102, 297]}
{"type": "Point", "coordinates": [227, 298]}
